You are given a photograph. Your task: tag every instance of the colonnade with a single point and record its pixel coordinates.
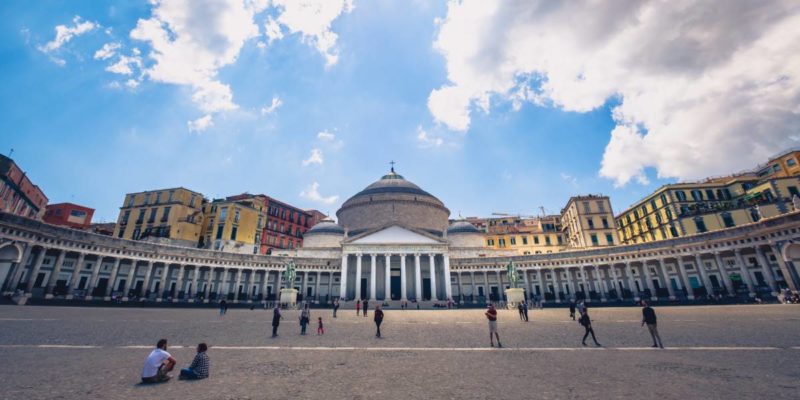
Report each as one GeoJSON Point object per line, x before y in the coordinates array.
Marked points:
{"type": "Point", "coordinates": [666, 277]}
{"type": "Point", "coordinates": [412, 290]}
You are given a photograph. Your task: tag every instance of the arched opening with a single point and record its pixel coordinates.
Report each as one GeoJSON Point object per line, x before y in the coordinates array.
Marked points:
{"type": "Point", "coordinates": [10, 253]}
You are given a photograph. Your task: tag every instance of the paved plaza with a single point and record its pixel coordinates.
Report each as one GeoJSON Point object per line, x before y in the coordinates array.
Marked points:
{"type": "Point", "coordinates": [714, 352]}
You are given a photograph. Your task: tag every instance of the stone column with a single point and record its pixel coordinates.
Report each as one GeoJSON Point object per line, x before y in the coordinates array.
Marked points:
{"type": "Point", "coordinates": [615, 283]}
{"type": "Point", "coordinates": [472, 282]}
{"type": "Point", "coordinates": [723, 271]}
{"type": "Point", "coordinates": [343, 278]}
{"type": "Point", "coordinates": [330, 285]}
{"type": "Point", "coordinates": [788, 276]}
{"type": "Point", "coordinates": [358, 277]}
{"type": "Point", "coordinates": [418, 278]}
{"type": "Point", "coordinates": [667, 281]}
{"type": "Point", "coordinates": [224, 287]}
{"type": "Point", "coordinates": [556, 285]}
{"type": "Point", "coordinates": [37, 265]}
{"type": "Point", "coordinates": [76, 273]}
{"type": "Point", "coordinates": [448, 287]}
{"type": "Point", "coordinates": [316, 287]}
{"type": "Point", "coordinates": [598, 287]}
{"type": "Point", "coordinates": [112, 279]}
{"type": "Point", "coordinates": [487, 291]}
{"type": "Point", "coordinates": [685, 281]}
{"type": "Point", "coordinates": [179, 283]}
{"type": "Point", "coordinates": [93, 278]}
{"type": "Point", "coordinates": [541, 283]}
{"type": "Point", "coordinates": [403, 285]}
{"type": "Point", "coordinates": [278, 284]}
{"type": "Point", "coordinates": [147, 273]}
{"type": "Point", "coordinates": [236, 285]}
{"type": "Point", "coordinates": [632, 285]}
{"type": "Point", "coordinates": [586, 288]}
{"type": "Point", "coordinates": [372, 281]}
{"type": "Point", "coordinates": [527, 284]}
{"type": "Point", "coordinates": [744, 272]}
{"type": "Point", "coordinates": [265, 285]}
{"type": "Point", "coordinates": [304, 285]}
{"type": "Point", "coordinates": [162, 286]}
{"type": "Point", "coordinates": [129, 281]}
{"type": "Point", "coordinates": [387, 292]}
{"type": "Point", "coordinates": [51, 283]}
{"type": "Point", "coordinates": [649, 281]}
{"type": "Point", "coordinates": [209, 283]}
{"type": "Point", "coordinates": [702, 270]}
{"type": "Point", "coordinates": [432, 263]}
{"type": "Point", "coordinates": [16, 275]}
{"type": "Point", "coordinates": [192, 292]}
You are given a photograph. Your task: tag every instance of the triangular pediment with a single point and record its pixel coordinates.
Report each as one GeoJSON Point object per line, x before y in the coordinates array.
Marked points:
{"type": "Point", "coordinates": [394, 234]}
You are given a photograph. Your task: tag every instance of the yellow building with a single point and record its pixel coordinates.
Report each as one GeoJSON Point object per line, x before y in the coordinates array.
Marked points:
{"type": "Point", "coordinates": [173, 216]}
{"type": "Point", "coordinates": [235, 224]}
{"type": "Point", "coordinates": [537, 235]}
{"type": "Point", "coordinates": [683, 209]}
{"type": "Point", "coordinates": [784, 165]}
{"type": "Point", "coordinates": [588, 221]}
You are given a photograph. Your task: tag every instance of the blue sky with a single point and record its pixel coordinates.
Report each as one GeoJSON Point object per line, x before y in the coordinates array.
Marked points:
{"type": "Point", "coordinates": [84, 136]}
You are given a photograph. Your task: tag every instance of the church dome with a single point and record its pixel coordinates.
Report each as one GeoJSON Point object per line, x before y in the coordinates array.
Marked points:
{"type": "Point", "coordinates": [325, 226]}
{"type": "Point", "coordinates": [393, 200]}
{"type": "Point", "coordinates": [326, 233]}
{"type": "Point", "coordinates": [463, 234]}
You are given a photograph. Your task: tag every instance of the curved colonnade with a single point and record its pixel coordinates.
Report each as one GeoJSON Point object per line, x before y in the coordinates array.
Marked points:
{"type": "Point", "coordinates": [46, 261]}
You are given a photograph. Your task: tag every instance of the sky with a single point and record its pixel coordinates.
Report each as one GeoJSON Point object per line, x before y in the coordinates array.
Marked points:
{"type": "Point", "coordinates": [493, 107]}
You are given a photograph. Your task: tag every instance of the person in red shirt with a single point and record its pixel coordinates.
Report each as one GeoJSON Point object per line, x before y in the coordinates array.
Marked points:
{"type": "Point", "coordinates": [491, 315]}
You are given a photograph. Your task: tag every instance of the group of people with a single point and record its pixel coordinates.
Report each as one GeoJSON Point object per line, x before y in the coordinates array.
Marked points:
{"type": "Point", "coordinates": [787, 297]}
{"type": "Point", "coordinates": [305, 318]}
{"type": "Point", "coordinates": [522, 307]}
{"type": "Point", "coordinates": [159, 363]}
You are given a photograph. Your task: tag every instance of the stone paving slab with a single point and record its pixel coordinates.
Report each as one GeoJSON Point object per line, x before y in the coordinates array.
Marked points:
{"type": "Point", "coordinates": [714, 352]}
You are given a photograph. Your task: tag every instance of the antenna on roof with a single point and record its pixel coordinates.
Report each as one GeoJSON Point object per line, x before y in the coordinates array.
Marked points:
{"type": "Point", "coordinates": [10, 153]}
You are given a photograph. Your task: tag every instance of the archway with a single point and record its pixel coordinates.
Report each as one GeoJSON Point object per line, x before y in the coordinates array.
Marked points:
{"type": "Point", "coordinates": [10, 253]}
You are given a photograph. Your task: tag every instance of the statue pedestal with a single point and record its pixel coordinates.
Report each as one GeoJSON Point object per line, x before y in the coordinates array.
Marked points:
{"type": "Point", "coordinates": [514, 296]}
{"type": "Point", "coordinates": [289, 296]}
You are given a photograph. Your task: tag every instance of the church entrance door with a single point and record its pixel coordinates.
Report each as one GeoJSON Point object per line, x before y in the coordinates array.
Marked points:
{"type": "Point", "coordinates": [395, 288]}
{"type": "Point", "coordinates": [426, 289]}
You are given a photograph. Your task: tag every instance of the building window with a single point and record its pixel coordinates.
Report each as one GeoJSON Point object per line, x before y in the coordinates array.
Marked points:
{"type": "Point", "coordinates": [125, 217]}
{"type": "Point", "coordinates": [513, 241]}
{"type": "Point", "coordinates": [235, 215]}
{"type": "Point", "coordinates": [501, 242]}
{"type": "Point", "coordinates": [590, 222]}
{"type": "Point", "coordinates": [140, 219]}
{"type": "Point", "coordinates": [601, 207]}
{"type": "Point", "coordinates": [681, 195]}
{"type": "Point", "coordinates": [131, 198]}
{"type": "Point", "coordinates": [223, 213]}
{"type": "Point", "coordinates": [524, 240]}
{"type": "Point", "coordinates": [700, 224]}
{"type": "Point", "coordinates": [490, 242]}
{"type": "Point", "coordinates": [547, 241]}
{"type": "Point", "coordinates": [792, 191]}
{"type": "Point", "coordinates": [560, 240]}
{"type": "Point", "coordinates": [663, 199]}
{"type": "Point", "coordinates": [536, 240]}
{"type": "Point", "coordinates": [791, 162]}
{"type": "Point", "coordinates": [586, 208]}
{"type": "Point", "coordinates": [158, 197]}
{"type": "Point", "coordinates": [152, 217]}
{"type": "Point", "coordinates": [594, 240]}
{"type": "Point", "coordinates": [233, 233]}
{"type": "Point", "coordinates": [697, 195]}
{"type": "Point", "coordinates": [136, 234]}
{"type": "Point", "coordinates": [673, 231]}
{"type": "Point", "coordinates": [754, 215]}
{"type": "Point", "coordinates": [727, 219]}
{"type": "Point", "coordinates": [220, 228]}
{"type": "Point", "coordinates": [165, 216]}
{"type": "Point", "coordinates": [605, 223]}
{"type": "Point", "coordinates": [192, 200]}
{"type": "Point", "coordinates": [609, 238]}
{"type": "Point", "coordinates": [710, 194]}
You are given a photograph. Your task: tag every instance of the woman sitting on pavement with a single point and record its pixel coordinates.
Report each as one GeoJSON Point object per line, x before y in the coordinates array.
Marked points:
{"type": "Point", "coordinates": [199, 367]}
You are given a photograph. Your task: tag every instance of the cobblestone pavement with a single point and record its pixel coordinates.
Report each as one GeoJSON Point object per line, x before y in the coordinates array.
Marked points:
{"type": "Point", "coordinates": [713, 352]}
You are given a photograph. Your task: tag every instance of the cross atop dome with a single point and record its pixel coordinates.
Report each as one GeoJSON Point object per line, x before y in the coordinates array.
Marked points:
{"type": "Point", "coordinates": [392, 163]}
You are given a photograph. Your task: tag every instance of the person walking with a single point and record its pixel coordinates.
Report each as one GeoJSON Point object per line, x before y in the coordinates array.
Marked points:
{"type": "Point", "coordinates": [223, 307]}
{"type": "Point", "coordinates": [491, 315]}
{"type": "Point", "coordinates": [365, 306]}
{"type": "Point", "coordinates": [358, 306]}
{"type": "Point", "coordinates": [649, 318]}
{"type": "Point", "coordinates": [521, 314]}
{"type": "Point", "coordinates": [586, 322]}
{"type": "Point", "coordinates": [199, 367]}
{"type": "Point", "coordinates": [525, 310]}
{"type": "Point", "coordinates": [276, 319]}
{"type": "Point", "coordinates": [581, 307]}
{"type": "Point", "coordinates": [572, 309]}
{"type": "Point", "coordinates": [335, 307]}
{"type": "Point", "coordinates": [320, 329]}
{"type": "Point", "coordinates": [378, 318]}
{"type": "Point", "coordinates": [305, 319]}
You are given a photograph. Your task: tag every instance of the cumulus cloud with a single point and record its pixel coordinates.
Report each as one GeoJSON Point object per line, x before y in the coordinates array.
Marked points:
{"type": "Point", "coordinates": [201, 123]}
{"type": "Point", "coordinates": [191, 40]}
{"type": "Point", "coordinates": [314, 158]}
{"type": "Point", "coordinates": [426, 141]}
{"type": "Point", "coordinates": [276, 102]}
{"type": "Point", "coordinates": [312, 19]}
{"type": "Point", "coordinates": [700, 88]}
{"type": "Point", "coordinates": [107, 51]}
{"type": "Point", "coordinates": [65, 33]}
{"type": "Point", "coordinates": [125, 65]}
{"type": "Point", "coordinates": [326, 136]}
{"type": "Point", "coordinates": [312, 193]}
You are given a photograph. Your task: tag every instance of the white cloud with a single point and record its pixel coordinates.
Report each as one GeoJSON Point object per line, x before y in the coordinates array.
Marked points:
{"type": "Point", "coordinates": [276, 102]}
{"type": "Point", "coordinates": [201, 123]}
{"type": "Point", "coordinates": [65, 33]}
{"type": "Point", "coordinates": [573, 181]}
{"type": "Point", "coordinates": [312, 19]}
{"type": "Point", "coordinates": [125, 65]}
{"type": "Point", "coordinates": [191, 40]}
{"type": "Point", "coordinates": [326, 136]}
{"type": "Point", "coordinates": [107, 51]}
{"type": "Point", "coordinates": [427, 141]}
{"type": "Point", "coordinates": [312, 193]}
{"type": "Point", "coordinates": [273, 30]}
{"type": "Point", "coordinates": [702, 89]}
{"type": "Point", "coordinates": [314, 158]}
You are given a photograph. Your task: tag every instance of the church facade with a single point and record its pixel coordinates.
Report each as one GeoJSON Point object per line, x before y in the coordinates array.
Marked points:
{"type": "Point", "coordinates": [393, 243]}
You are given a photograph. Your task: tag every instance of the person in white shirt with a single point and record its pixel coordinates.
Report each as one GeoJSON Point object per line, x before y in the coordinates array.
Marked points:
{"type": "Point", "coordinates": [158, 364]}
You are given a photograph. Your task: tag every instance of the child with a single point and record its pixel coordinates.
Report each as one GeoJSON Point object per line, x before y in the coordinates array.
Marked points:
{"type": "Point", "coordinates": [320, 329]}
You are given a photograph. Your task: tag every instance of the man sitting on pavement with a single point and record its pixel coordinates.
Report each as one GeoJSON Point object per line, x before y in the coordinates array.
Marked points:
{"type": "Point", "coordinates": [158, 364]}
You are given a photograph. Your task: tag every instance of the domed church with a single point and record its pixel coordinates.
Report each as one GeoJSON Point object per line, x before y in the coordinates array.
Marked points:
{"type": "Point", "coordinates": [395, 242]}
